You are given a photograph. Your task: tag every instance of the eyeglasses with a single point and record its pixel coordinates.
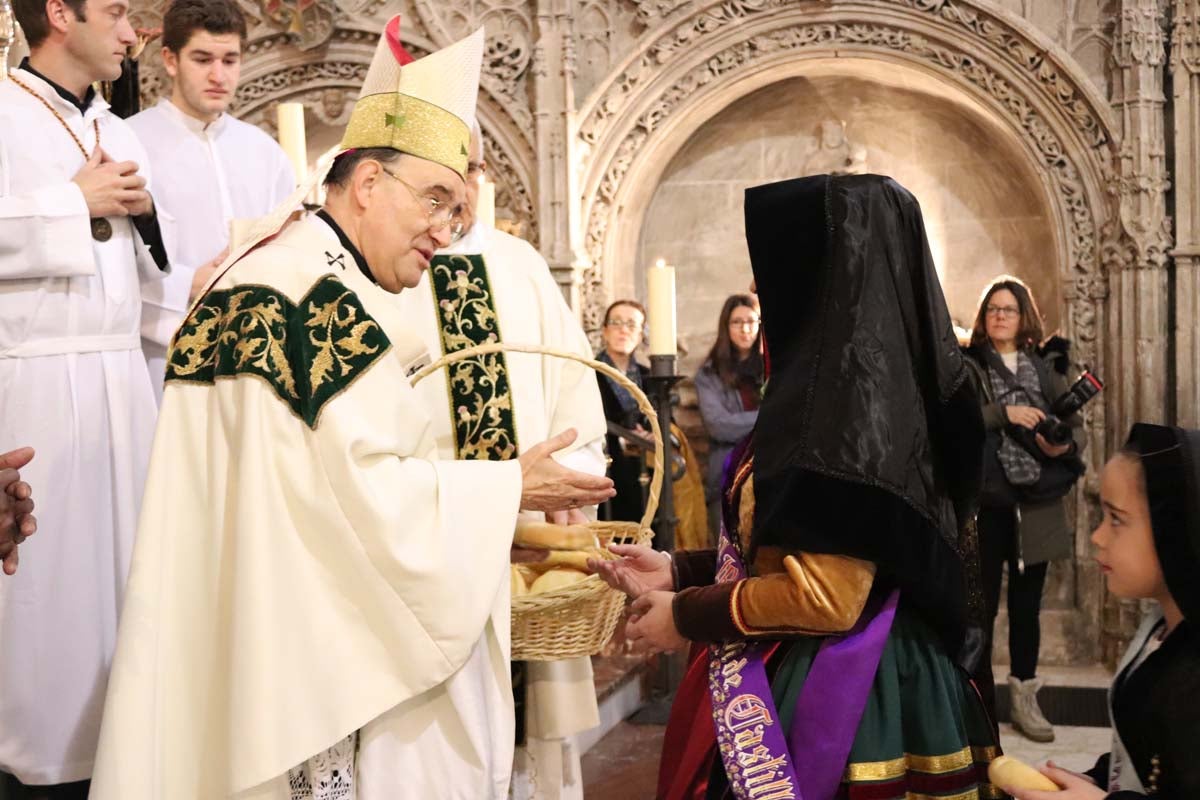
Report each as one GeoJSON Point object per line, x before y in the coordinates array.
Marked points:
{"type": "Point", "coordinates": [1003, 311]}
{"type": "Point", "coordinates": [745, 324]}
{"type": "Point", "coordinates": [439, 213]}
{"type": "Point", "coordinates": [625, 324]}
{"type": "Point", "coordinates": [476, 167]}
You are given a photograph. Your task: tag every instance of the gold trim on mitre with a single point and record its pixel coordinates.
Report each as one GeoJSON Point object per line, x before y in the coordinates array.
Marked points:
{"type": "Point", "coordinates": [426, 107]}
{"type": "Point", "coordinates": [411, 126]}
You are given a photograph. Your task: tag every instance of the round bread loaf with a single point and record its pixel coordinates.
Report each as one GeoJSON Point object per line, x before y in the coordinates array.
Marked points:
{"type": "Point", "coordinates": [554, 537]}
{"type": "Point", "coordinates": [1009, 774]}
{"type": "Point", "coordinates": [556, 578]}
{"type": "Point", "coordinates": [517, 581]}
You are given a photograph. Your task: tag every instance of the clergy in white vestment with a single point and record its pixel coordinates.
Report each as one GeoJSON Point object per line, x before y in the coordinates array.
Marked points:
{"type": "Point", "coordinates": [490, 286]}
{"type": "Point", "coordinates": [307, 573]}
{"type": "Point", "coordinates": [209, 168]}
{"type": "Point", "coordinates": [78, 234]}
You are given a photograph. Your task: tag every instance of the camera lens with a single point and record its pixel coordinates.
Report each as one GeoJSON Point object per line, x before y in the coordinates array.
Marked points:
{"type": "Point", "coordinates": [1055, 431]}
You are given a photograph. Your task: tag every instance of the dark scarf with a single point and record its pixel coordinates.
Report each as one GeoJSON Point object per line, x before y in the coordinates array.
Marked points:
{"type": "Point", "coordinates": [869, 438]}
{"type": "Point", "coordinates": [1171, 461]}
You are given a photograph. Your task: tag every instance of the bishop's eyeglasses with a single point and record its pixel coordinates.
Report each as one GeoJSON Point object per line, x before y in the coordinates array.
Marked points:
{"type": "Point", "coordinates": [438, 212]}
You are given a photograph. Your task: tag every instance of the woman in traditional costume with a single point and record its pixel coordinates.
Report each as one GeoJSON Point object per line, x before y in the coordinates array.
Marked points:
{"type": "Point", "coordinates": [833, 622]}
{"type": "Point", "coordinates": [1149, 548]}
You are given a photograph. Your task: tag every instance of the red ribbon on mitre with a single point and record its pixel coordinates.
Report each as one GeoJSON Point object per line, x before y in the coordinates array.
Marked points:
{"type": "Point", "coordinates": [392, 34]}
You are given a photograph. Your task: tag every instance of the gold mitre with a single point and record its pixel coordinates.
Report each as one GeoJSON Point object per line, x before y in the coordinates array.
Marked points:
{"type": "Point", "coordinates": [426, 107]}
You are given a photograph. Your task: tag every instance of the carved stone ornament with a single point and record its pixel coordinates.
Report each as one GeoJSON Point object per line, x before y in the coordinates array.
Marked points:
{"type": "Point", "coordinates": [831, 152]}
{"type": "Point", "coordinates": [310, 21]}
{"type": "Point", "coordinates": [1185, 36]}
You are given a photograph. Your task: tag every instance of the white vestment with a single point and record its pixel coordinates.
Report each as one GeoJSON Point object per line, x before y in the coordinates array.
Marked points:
{"type": "Point", "coordinates": [73, 385]}
{"type": "Point", "coordinates": [206, 175]}
{"type": "Point", "coordinates": [301, 572]}
{"type": "Point", "coordinates": [548, 396]}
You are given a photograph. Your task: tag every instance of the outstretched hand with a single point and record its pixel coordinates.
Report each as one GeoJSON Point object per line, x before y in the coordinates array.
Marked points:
{"type": "Point", "coordinates": [547, 485]}
{"type": "Point", "coordinates": [639, 570]}
{"type": "Point", "coordinates": [651, 627]}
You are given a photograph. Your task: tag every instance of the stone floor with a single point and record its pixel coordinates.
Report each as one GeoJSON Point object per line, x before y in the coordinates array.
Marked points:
{"type": "Point", "coordinates": [624, 764]}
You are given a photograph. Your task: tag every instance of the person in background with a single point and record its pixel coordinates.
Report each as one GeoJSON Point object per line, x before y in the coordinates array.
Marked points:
{"type": "Point", "coordinates": [79, 235]}
{"type": "Point", "coordinates": [1148, 547]}
{"type": "Point", "coordinates": [729, 384]}
{"type": "Point", "coordinates": [209, 168]}
{"type": "Point", "coordinates": [17, 522]}
{"type": "Point", "coordinates": [1021, 522]}
{"type": "Point", "coordinates": [624, 322]}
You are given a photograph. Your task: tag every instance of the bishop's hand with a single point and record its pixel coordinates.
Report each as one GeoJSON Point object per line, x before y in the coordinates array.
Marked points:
{"type": "Point", "coordinates": [547, 485]}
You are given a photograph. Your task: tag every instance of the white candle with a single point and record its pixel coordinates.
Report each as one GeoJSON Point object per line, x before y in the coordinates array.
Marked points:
{"type": "Point", "coordinates": [485, 205]}
{"type": "Point", "coordinates": [660, 284]}
{"type": "Point", "coordinates": [291, 138]}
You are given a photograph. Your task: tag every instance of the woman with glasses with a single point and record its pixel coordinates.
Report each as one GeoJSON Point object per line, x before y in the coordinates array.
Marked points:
{"type": "Point", "coordinates": [1022, 518]}
{"type": "Point", "coordinates": [622, 333]}
{"type": "Point", "coordinates": [729, 384]}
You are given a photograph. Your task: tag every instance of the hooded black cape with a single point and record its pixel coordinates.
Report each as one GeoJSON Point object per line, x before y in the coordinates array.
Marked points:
{"type": "Point", "coordinates": [869, 439]}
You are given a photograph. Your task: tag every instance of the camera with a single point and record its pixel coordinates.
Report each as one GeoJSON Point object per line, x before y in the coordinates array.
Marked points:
{"type": "Point", "coordinates": [1052, 428]}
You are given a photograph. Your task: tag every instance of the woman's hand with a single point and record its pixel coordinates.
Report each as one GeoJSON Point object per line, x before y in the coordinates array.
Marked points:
{"type": "Point", "coordinates": [651, 627]}
{"type": "Point", "coordinates": [1074, 786]}
{"type": "Point", "coordinates": [1025, 416]}
{"type": "Point", "coordinates": [639, 570]}
{"type": "Point", "coordinates": [1052, 450]}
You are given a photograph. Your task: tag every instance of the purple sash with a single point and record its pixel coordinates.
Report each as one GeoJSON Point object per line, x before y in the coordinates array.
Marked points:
{"type": "Point", "coordinates": [807, 764]}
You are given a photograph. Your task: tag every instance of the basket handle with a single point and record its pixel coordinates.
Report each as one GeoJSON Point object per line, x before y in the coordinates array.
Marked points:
{"type": "Point", "coordinates": [643, 402]}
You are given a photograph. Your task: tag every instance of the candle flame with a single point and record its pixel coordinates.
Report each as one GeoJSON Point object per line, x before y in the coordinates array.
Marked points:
{"type": "Point", "coordinates": [660, 263]}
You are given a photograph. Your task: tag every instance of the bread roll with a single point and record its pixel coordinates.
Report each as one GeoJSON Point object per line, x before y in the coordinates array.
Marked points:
{"type": "Point", "coordinates": [1009, 774]}
{"type": "Point", "coordinates": [517, 581]}
{"type": "Point", "coordinates": [554, 537]}
{"type": "Point", "coordinates": [557, 578]}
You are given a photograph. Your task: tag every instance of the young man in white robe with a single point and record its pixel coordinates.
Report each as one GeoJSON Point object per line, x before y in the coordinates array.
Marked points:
{"type": "Point", "coordinates": [78, 233]}
{"type": "Point", "coordinates": [304, 577]}
{"type": "Point", "coordinates": [508, 280]}
{"type": "Point", "coordinates": [209, 168]}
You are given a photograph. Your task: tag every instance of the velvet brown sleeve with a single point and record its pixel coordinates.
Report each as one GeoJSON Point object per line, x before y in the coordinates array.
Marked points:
{"type": "Point", "coordinates": [814, 595]}
{"type": "Point", "coordinates": [694, 568]}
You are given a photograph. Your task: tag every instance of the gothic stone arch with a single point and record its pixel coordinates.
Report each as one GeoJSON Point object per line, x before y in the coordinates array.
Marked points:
{"type": "Point", "coordinates": [682, 74]}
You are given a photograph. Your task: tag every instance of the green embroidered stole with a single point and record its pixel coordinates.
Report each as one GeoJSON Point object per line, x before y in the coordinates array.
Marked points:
{"type": "Point", "coordinates": [481, 402]}
{"type": "Point", "coordinates": [307, 352]}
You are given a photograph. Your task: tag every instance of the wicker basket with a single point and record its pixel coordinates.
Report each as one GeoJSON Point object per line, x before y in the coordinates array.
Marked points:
{"type": "Point", "coordinates": [577, 620]}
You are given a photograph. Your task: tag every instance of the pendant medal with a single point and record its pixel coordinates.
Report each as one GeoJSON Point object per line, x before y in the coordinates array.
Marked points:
{"type": "Point", "coordinates": [101, 229]}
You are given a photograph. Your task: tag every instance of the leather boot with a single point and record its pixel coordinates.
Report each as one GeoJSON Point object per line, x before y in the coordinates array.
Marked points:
{"type": "Point", "coordinates": [1027, 717]}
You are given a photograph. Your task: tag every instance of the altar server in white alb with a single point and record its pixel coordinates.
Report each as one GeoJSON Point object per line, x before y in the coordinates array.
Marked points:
{"type": "Point", "coordinates": [304, 579]}
{"type": "Point", "coordinates": [209, 168]}
{"type": "Point", "coordinates": [490, 286]}
{"type": "Point", "coordinates": [78, 234]}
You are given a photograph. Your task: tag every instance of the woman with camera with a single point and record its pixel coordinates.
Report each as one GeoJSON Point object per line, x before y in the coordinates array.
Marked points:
{"type": "Point", "coordinates": [1031, 460]}
{"type": "Point", "coordinates": [622, 332]}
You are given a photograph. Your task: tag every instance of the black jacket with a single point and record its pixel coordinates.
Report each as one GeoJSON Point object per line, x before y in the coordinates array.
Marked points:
{"type": "Point", "coordinates": [1157, 714]}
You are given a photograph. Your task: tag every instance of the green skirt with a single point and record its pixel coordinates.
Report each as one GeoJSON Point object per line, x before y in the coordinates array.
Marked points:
{"type": "Point", "coordinates": [924, 732]}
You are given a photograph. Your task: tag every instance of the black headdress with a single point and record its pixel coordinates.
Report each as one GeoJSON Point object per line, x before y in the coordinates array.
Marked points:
{"type": "Point", "coordinates": [1171, 461]}
{"type": "Point", "coordinates": [869, 438]}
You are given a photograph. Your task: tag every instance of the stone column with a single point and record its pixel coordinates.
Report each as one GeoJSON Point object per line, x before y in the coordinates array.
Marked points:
{"type": "Point", "coordinates": [557, 205]}
{"type": "Point", "coordinates": [1185, 74]}
{"type": "Point", "coordinates": [1136, 254]}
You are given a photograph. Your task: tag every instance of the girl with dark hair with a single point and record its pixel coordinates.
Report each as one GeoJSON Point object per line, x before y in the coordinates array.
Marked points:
{"type": "Point", "coordinates": [1148, 547]}
{"type": "Point", "coordinates": [1022, 518]}
{"type": "Point", "coordinates": [728, 386]}
{"type": "Point", "coordinates": [622, 332]}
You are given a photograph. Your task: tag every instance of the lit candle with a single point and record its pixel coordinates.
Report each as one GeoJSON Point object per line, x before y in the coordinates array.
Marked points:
{"type": "Point", "coordinates": [485, 206]}
{"type": "Point", "coordinates": [660, 284]}
{"type": "Point", "coordinates": [291, 138]}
